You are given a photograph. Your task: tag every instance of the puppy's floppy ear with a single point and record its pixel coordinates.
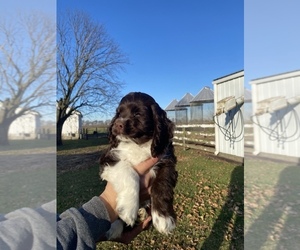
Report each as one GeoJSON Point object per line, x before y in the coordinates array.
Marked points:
{"type": "Point", "coordinates": [112, 138]}
{"type": "Point", "coordinates": [163, 130]}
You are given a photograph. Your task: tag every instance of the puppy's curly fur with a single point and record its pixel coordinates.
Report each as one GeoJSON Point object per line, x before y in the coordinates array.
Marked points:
{"type": "Point", "coordinates": [141, 129]}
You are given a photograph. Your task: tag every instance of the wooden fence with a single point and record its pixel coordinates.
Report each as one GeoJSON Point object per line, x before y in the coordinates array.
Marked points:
{"type": "Point", "coordinates": [202, 136]}
{"type": "Point", "coordinates": [89, 132]}
{"type": "Point", "coordinates": [195, 135]}
{"type": "Point", "coordinates": [198, 136]}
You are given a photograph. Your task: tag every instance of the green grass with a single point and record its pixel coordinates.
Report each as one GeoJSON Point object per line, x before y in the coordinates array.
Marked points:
{"type": "Point", "coordinates": [208, 203]}
{"type": "Point", "coordinates": [76, 187]}
{"type": "Point", "coordinates": [28, 144]}
{"type": "Point", "coordinates": [25, 181]}
{"type": "Point", "coordinates": [272, 204]}
{"type": "Point", "coordinates": [30, 188]}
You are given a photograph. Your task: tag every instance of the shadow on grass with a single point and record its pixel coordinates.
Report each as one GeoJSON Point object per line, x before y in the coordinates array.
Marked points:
{"type": "Point", "coordinates": [83, 143]}
{"type": "Point", "coordinates": [280, 219]}
{"type": "Point", "coordinates": [79, 161]}
{"type": "Point", "coordinates": [232, 213]}
{"type": "Point", "coordinates": [28, 144]}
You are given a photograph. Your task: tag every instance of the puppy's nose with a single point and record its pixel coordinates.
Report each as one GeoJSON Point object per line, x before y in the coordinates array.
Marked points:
{"type": "Point", "coordinates": [119, 126]}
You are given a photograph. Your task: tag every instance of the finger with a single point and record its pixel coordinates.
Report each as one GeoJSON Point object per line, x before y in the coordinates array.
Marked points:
{"type": "Point", "coordinates": [146, 223]}
{"type": "Point", "coordinates": [146, 165]}
{"type": "Point", "coordinates": [145, 180]}
{"type": "Point", "coordinates": [145, 188]}
{"type": "Point", "coordinates": [127, 237]}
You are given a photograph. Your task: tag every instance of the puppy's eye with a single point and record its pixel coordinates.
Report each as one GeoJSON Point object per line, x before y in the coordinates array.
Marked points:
{"type": "Point", "coordinates": [119, 116]}
{"type": "Point", "coordinates": [136, 114]}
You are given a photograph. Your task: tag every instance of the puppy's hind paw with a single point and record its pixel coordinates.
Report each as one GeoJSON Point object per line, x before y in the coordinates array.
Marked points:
{"type": "Point", "coordinates": [142, 215]}
{"type": "Point", "coordinates": [163, 224]}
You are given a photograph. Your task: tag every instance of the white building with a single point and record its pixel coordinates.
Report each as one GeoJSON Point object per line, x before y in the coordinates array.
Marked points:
{"type": "Point", "coordinates": [229, 112]}
{"type": "Point", "coordinates": [276, 109]}
{"type": "Point", "coordinates": [72, 126]}
{"type": "Point", "coordinates": [26, 126]}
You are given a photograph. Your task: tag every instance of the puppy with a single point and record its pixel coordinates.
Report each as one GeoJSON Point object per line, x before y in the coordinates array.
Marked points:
{"type": "Point", "coordinates": [140, 129]}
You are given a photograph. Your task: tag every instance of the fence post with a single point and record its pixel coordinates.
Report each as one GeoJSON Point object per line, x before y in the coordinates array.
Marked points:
{"type": "Point", "coordinates": [184, 148]}
{"type": "Point", "coordinates": [86, 134]}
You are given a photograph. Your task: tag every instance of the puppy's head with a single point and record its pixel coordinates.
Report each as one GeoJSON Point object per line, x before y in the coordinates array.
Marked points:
{"type": "Point", "coordinates": [139, 118]}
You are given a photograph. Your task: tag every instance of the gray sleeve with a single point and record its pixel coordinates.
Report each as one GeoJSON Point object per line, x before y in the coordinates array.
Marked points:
{"type": "Point", "coordinates": [82, 228]}
{"type": "Point", "coordinates": [28, 228]}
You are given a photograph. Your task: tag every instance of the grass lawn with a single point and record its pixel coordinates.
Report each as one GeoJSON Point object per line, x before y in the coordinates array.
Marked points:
{"type": "Point", "coordinates": [30, 188]}
{"type": "Point", "coordinates": [28, 144]}
{"type": "Point", "coordinates": [27, 174]}
{"type": "Point", "coordinates": [272, 217]}
{"type": "Point", "coordinates": [70, 146]}
{"type": "Point", "coordinates": [208, 201]}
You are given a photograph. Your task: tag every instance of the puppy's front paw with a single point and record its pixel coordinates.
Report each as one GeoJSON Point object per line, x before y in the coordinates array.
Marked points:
{"type": "Point", "coordinates": [128, 206]}
{"type": "Point", "coordinates": [127, 214]}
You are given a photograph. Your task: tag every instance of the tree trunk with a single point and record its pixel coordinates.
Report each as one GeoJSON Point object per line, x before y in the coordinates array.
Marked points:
{"type": "Point", "coordinates": [59, 127]}
{"type": "Point", "coordinates": [4, 134]}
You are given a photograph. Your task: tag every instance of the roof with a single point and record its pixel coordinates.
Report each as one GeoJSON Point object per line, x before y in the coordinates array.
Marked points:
{"type": "Point", "coordinates": [171, 106]}
{"type": "Point", "coordinates": [275, 77]}
{"type": "Point", "coordinates": [205, 95]}
{"type": "Point", "coordinates": [230, 76]}
{"type": "Point", "coordinates": [185, 101]}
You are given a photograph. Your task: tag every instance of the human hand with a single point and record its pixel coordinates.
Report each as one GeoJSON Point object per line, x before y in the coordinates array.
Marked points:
{"type": "Point", "coordinates": [143, 169]}
{"type": "Point", "coordinates": [129, 235]}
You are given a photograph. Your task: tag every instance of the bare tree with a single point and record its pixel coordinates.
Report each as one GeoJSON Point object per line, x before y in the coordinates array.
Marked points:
{"type": "Point", "coordinates": [27, 67]}
{"type": "Point", "coordinates": [88, 62]}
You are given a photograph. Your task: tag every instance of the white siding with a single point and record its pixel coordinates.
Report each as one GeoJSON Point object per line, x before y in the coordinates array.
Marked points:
{"type": "Point", "coordinates": [72, 126]}
{"type": "Point", "coordinates": [229, 130]}
{"type": "Point", "coordinates": [277, 132]}
{"type": "Point", "coordinates": [26, 126]}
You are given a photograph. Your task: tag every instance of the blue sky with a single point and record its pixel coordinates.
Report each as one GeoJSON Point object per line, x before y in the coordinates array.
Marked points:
{"type": "Point", "coordinates": [11, 11]}
{"type": "Point", "coordinates": [174, 47]}
{"type": "Point", "coordinates": [7, 8]}
{"type": "Point", "coordinates": [272, 38]}
{"type": "Point", "coordinates": [177, 46]}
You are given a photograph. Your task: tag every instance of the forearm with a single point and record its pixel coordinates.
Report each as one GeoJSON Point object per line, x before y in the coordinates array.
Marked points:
{"type": "Point", "coordinates": [82, 228]}
{"type": "Point", "coordinates": [110, 208]}
{"type": "Point", "coordinates": [28, 228]}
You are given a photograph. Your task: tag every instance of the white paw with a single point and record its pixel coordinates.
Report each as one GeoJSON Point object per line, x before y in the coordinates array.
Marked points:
{"type": "Point", "coordinates": [115, 230]}
{"type": "Point", "coordinates": [163, 224]}
{"type": "Point", "coordinates": [127, 215]}
{"type": "Point", "coordinates": [127, 207]}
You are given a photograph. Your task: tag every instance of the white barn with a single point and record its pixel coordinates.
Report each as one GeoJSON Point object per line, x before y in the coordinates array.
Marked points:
{"type": "Point", "coordinates": [72, 126]}
{"type": "Point", "coordinates": [276, 109]}
{"type": "Point", "coordinates": [27, 126]}
{"type": "Point", "coordinates": [229, 111]}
